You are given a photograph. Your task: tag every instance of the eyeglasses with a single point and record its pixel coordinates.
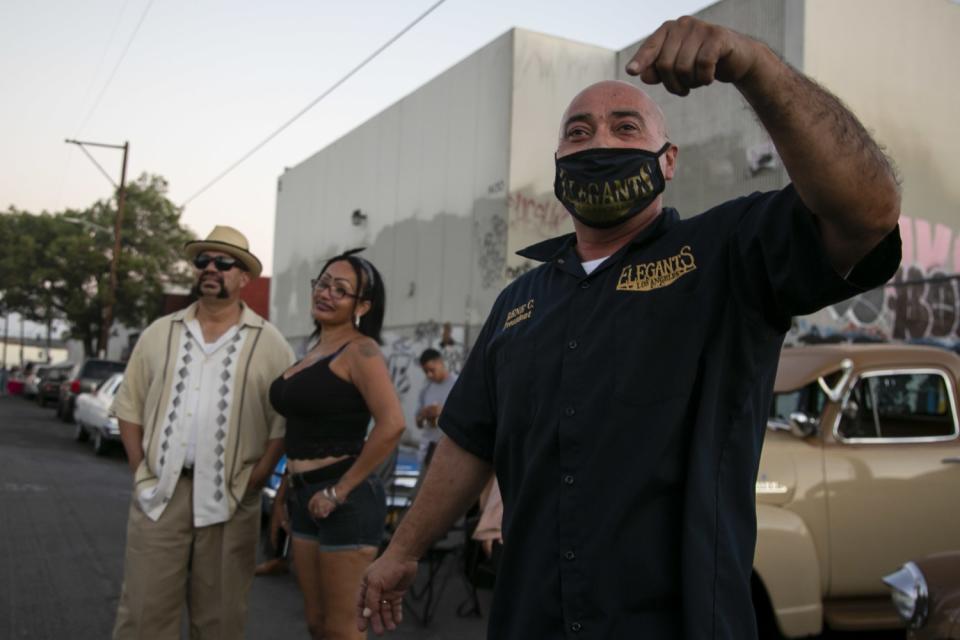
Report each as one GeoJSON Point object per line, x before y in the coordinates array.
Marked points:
{"type": "Point", "coordinates": [337, 292]}
{"type": "Point", "coordinates": [222, 263]}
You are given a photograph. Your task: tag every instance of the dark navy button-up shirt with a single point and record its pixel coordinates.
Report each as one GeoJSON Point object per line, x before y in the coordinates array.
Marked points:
{"type": "Point", "coordinates": [624, 412]}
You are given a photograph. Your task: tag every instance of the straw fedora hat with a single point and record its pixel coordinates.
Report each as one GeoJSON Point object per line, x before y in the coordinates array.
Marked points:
{"type": "Point", "coordinates": [230, 241]}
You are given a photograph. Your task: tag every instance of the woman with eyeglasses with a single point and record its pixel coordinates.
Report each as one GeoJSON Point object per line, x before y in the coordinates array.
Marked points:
{"type": "Point", "coordinates": [333, 501]}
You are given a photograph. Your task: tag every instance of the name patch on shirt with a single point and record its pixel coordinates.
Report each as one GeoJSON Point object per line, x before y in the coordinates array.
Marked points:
{"type": "Point", "coordinates": [659, 273]}
{"type": "Point", "coordinates": [518, 315]}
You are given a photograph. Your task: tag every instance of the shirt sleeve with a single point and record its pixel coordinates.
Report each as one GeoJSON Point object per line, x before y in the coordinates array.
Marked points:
{"type": "Point", "coordinates": [129, 402]}
{"type": "Point", "coordinates": [469, 415]}
{"type": "Point", "coordinates": [780, 266]}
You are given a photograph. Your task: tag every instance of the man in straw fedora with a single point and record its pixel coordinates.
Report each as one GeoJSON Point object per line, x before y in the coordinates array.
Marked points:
{"type": "Point", "coordinates": [201, 437]}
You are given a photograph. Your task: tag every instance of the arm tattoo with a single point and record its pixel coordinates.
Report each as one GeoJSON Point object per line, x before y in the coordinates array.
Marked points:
{"type": "Point", "coordinates": [368, 350]}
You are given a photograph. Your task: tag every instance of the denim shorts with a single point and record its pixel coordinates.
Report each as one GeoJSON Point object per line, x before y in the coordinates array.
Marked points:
{"type": "Point", "coordinates": [358, 522]}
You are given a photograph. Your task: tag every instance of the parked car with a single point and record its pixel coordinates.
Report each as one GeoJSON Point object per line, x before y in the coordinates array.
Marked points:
{"type": "Point", "coordinates": [31, 380]}
{"type": "Point", "coordinates": [84, 378]}
{"type": "Point", "coordinates": [92, 415]}
{"type": "Point", "coordinates": [926, 594]}
{"type": "Point", "coordinates": [858, 474]}
{"type": "Point", "coordinates": [48, 388]}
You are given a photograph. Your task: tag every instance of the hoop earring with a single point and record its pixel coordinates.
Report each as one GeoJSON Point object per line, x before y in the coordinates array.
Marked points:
{"type": "Point", "coordinates": [356, 321]}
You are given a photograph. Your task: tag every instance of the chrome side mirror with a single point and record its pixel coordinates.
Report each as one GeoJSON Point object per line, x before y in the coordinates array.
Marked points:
{"type": "Point", "coordinates": [802, 425]}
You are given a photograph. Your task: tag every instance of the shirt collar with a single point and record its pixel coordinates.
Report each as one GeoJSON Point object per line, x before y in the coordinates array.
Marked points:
{"type": "Point", "coordinates": [553, 248]}
{"type": "Point", "coordinates": [248, 317]}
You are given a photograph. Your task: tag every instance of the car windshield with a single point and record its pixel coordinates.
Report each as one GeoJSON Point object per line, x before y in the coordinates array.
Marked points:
{"type": "Point", "coordinates": [101, 369]}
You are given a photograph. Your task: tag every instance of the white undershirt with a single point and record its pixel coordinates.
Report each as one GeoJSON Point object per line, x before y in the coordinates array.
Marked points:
{"type": "Point", "coordinates": [590, 265]}
{"type": "Point", "coordinates": [201, 396]}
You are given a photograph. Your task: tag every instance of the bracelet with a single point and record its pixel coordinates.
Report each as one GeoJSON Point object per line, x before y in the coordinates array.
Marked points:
{"type": "Point", "coordinates": [330, 493]}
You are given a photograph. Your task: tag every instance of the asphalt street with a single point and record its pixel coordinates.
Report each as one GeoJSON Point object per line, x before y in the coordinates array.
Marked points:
{"type": "Point", "coordinates": [63, 514]}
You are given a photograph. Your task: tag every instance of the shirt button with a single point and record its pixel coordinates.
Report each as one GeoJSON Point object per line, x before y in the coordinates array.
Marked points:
{"type": "Point", "coordinates": [584, 285]}
{"type": "Point", "coordinates": [568, 479]}
{"type": "Point", "coordinates": [572, 344]}
{"type": "Point", "coordinates": [569, 555]}
{"type": "Point", "coordinates": [575, 627]}
{"type": "Point", "coordinates": [569, 412]}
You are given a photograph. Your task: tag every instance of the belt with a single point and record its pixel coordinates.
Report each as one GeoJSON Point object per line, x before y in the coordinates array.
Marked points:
{"type": "Point", "coordinates": [329, 472]}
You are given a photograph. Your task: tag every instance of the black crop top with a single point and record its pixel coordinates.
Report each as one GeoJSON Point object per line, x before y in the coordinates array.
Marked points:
{"type": "Point", "coordinates": [326, 415]}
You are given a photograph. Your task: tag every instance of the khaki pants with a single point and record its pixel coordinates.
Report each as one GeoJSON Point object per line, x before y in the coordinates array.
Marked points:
{"type": "Point", "coordinates": [170, 562]}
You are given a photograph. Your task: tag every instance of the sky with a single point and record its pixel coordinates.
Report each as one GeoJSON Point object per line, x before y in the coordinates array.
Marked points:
{"type": "Point", "coordinates": [194, 85]}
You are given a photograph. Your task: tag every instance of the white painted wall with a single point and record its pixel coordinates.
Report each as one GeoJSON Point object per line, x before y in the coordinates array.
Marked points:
{"type": "Point", "coordinates": [548, 73]}
{"type": "Point", "coordinates": [425, 172]}
{"type": "Point", "coordinates": [713, 126]}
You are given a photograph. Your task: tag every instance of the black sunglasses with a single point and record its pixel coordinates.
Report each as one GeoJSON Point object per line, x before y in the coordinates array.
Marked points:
{"type": "Point", "coordinates": [222, 263]}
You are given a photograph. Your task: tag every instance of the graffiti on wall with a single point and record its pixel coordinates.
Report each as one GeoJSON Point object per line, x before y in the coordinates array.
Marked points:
{"type": "Point", "coordinates": [541, 215]}
{"type": "Point", "coordinates": [922, 301]}
{"type": "Point", "coordinates": [492, 250]}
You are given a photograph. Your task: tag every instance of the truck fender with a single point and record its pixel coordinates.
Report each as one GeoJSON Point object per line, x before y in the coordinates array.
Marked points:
{"type": "Point", "coordinates": [786, 562]}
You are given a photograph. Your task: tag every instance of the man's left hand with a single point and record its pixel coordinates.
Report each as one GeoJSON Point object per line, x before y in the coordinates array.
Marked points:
{"type": "Point", "coordinates": [255, 483]}
{"type": "Point", "coordinates": [688, 53]}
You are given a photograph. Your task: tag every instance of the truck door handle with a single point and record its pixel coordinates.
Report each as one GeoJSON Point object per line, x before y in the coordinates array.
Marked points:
{"type": "Point", "coordinates": [951, 460]}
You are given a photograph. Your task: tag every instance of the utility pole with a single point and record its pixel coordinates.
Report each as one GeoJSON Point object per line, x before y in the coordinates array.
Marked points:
{"type": "Point", "coordinates": [115, 258]}
{"type": "Point", "coordinates": [46, 286]}
{"type": "Point", "coordinates": [20, 316]}
{"type": "Point", "coordinates": [6, 322]}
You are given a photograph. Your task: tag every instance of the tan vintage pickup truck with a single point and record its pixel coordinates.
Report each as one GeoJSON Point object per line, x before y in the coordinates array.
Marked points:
{"type": "Point", "coordinates": [860, 473]}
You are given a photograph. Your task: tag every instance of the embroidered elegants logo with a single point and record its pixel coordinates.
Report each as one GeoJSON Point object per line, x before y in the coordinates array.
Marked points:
{"type": "Point", "coordinates": [659, 273]}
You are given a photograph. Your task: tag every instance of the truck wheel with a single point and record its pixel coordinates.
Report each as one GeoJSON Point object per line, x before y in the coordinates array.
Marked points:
{"type": "Point", "coordinates": [79, 433]}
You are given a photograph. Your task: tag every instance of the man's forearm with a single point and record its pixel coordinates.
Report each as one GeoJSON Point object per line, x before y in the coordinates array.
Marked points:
{"type": "Point", "coordinates": [839, 171]}
{"type": "Point", "coordinates": [131, 435]}
{"type": "Point", "coordinates": [454, 480]}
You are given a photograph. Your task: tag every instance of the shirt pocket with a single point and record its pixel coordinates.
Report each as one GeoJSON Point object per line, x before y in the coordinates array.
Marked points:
{"type": "Point", "coordinates": [515, 365]}
{"type": "Point", "coordinates": [658, 349]}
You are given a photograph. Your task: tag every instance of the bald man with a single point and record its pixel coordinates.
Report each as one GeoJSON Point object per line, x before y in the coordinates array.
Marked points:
{"type": "Point", "coordinates": [620, 390]}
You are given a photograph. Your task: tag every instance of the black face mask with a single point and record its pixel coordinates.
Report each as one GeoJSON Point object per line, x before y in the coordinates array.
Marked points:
{"type": "Point", "coordinates": [604, 187]}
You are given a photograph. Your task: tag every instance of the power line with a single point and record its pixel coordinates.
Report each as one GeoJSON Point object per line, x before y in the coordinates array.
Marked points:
{"type": "Point", "coordinates": [106, 47]}
{"type": "Point", "coordinates": [313, 103]}
{"type": "Point", "coordinates": [123, 54]}
{"type": "Point", "coordinates": [65, 167]}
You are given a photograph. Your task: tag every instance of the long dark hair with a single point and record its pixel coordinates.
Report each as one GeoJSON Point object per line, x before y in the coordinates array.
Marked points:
{"type": "Point", "coordinates": [370, 288]}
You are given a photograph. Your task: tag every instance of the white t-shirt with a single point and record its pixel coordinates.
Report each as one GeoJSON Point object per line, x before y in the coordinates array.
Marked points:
{"type": "Point", "coordinates": [434, 393]}
{"type": "Point", "coordinates": [590, 265]}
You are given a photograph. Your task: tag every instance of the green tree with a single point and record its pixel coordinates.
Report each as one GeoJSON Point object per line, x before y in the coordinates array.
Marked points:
{"type": "Point", "coordinates": [60, 263]}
